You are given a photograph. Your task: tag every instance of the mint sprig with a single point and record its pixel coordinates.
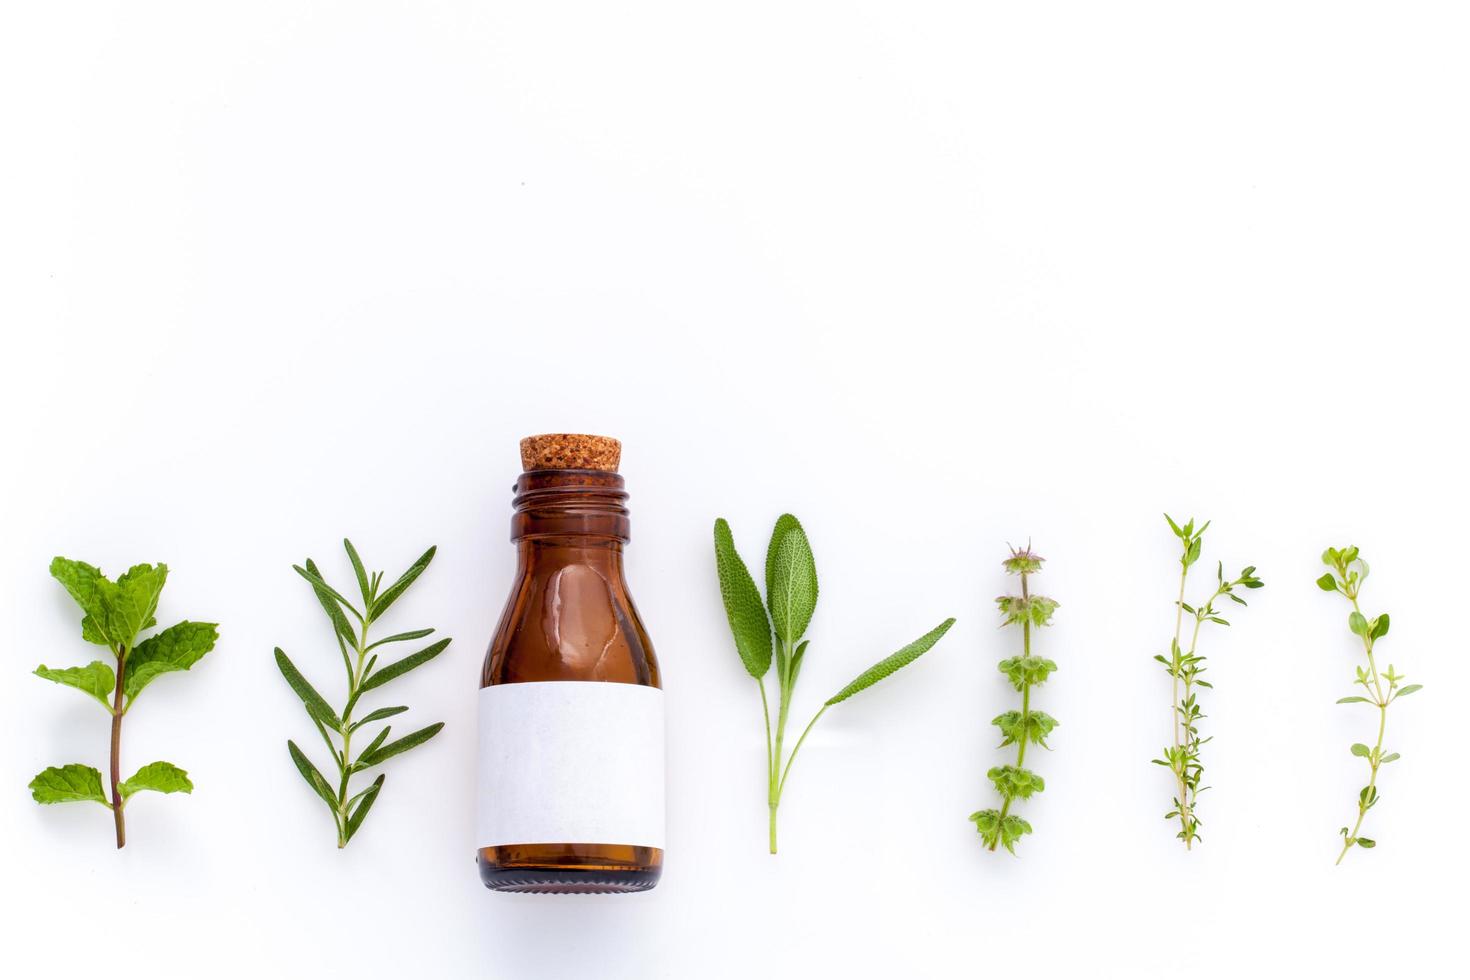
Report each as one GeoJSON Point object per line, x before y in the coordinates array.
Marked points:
{"type": "Point", "coordinates": [791, 600]}
{"type": "Point", "coordinates": [349, 810]}
{"type": "Point", "coordinates": [1380, 688]}
{"type": "Point", "coordinates": [114, 615]}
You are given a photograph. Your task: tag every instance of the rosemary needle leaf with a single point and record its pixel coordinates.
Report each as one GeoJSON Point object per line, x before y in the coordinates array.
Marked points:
{"type": "Point", "coordinates": [381, 604]}
{"type": "Point", "coordinates": [360, 814]}
{"type": "Point", "coordinates": [313, 778]}
{"type": "Point", "coordinates": [360, 572]}
{"type": "Point", "coordinates": [398, 637]}
{"type": "Point", "coordinates": [316, 705]}
{"type": "Point", "coordinates": [400, 667]}
{"type": "Point", "coordinates": [381, 754]}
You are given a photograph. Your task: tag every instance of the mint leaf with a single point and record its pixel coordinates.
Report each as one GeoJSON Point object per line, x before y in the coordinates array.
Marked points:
{"type": "Point", "coordinates": [96, 679]}
{"type": "Point", "coordinates": [791, 580]}
{"type": "Point", "coordinates": [72, 783]}
{"type": "Point", "coordinates": [131, 603]}
{"type": "Point", "coordinates": [743, 607]}
{"type": "Point", "coordinates": [892, 662]}
{"type": "Point", "coordinates": [177, 648]}
{"type": "Point", "coordinates": [161, 777]}
{"type": "Point", "coordinates": [84, 584]}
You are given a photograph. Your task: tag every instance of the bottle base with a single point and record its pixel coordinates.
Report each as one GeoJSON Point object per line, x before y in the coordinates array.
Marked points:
{"type": "Point", "coordinates": [527, 881]}
{"type": "Point", "coordinates": [570, 869]}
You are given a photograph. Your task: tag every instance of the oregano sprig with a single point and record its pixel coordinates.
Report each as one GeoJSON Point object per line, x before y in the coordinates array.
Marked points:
{"type": "Point", "coordinates": [363, 675]}
{"type": "Point", "coordinates": [1380, 688]}
{"type": "Point", "coordinates": [115, 614]}
{"type": "Point", "coordinates": [791, 599]}
{"type": "Point", "coordinates": [1024, 727]}
{"type": "Point", "coordinates": [1182, 756]}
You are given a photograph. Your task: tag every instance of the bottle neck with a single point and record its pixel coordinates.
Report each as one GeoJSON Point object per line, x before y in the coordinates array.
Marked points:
{"type": "Point", "coordinates": [576, 513]}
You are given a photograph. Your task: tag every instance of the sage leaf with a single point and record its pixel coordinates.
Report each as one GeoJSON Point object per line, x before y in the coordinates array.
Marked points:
{"type": "Point", "coordinates": [895, 661]}
{"type": "Point", "coordinates": [743, 607]}
{"type": "Point", "coordinates": [791, 580]}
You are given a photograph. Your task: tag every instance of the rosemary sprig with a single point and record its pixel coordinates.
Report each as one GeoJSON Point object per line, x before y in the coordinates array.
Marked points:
{"type": "Point", "coordinates": [1182, 757]}
{"type": "Point", "coordinates": [1024, 727]}
{"type": "Point", "coordinates": [348, 812]}
{"type": "Point", "coordinates": [1380, 688]}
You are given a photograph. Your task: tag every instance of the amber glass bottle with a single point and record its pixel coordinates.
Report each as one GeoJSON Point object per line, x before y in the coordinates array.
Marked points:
{"type": "Point", "coordinates": [571, 780]}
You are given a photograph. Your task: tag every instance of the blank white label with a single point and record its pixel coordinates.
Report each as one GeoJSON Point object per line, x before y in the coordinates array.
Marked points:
{"type": "Point", "coordinates": [571, 762]}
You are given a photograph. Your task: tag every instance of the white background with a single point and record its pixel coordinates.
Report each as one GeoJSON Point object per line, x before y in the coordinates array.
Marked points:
{"type": "Point", "coordinates": [933, 277]}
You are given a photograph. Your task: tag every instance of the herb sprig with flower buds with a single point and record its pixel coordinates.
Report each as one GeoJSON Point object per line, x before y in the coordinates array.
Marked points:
{"type": "Point", "coordinates": [1182, 758]}
{"type": "Point", "coordinates": [1382, 688]}
{"type": "Point", "coordinates": [1024, 727]}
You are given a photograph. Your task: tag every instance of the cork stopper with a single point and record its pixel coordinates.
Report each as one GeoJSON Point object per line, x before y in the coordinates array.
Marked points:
{"type": "Point", "coordinates": [570, 451]}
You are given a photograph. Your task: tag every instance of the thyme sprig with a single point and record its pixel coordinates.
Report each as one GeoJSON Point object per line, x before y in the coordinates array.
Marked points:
{"type": "Point", "coordinates": [1380, 688]}
{"type": "Point", "coordinates": [1185, 665]}
{"type": "Point", "coordinates": [1024, 727]}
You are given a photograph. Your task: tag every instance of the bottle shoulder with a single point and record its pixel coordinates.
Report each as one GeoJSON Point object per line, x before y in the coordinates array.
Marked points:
{"type": "Point", "coordinates": [576, 622]}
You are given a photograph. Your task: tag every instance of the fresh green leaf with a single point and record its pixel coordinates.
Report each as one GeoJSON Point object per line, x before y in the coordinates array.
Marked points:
{"type": "Point", "coordinates": [96, 679]}
{"type": "Point", "coordinates": [388, 751]}
{"type": "Point", "coordinates": [360, 572]}
{"type": "Point", "coordinates": [377, 715]}
{"type": "Point", "coordinates": [328, 601]}
{"type": "Point", "coordinates": [791, 580]}
{"type": "Point", "coordinates": [84, 583]}
{"type": "Point", "coordinates": [381, 604]}
{"type": "Point", "coordinates": [399, 637]}
{"type": "Point", "coordinates": [72, 783]}
{"type": "Point", "coordinates": [360, 814]}
{"type": "Point", "coordinates": [161, 777]}
{"type": "Point", "coordinates": [400, 667]}
{"type": "Point", "coordinates": [314, 702]}
{"type": "Point", "coordinates": [131, 605]}
{"type": "Point", "coordinates": [313, 777]}
{"type": "Point", "coordinates": [743, 607]}
{"type": "Point", "coordinates": [1357, 623]}
{"type": "Point", "coordinates": [905, 656]}
{"type": "Point", "coordinates": [325, 591]}
{"type": "Point", "coordinates": [1353, 699]}
{"type": "Point", "coordinates": [1408, 689]}
{"type": "Point", "coordinates": [1380, 626]}
{"type": "Point", "coordinates": [177, 648]}
{"type": "Point", "coordinates": [1327, 583]}
{"type": "Point", "coordinates": [1360, 749]}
